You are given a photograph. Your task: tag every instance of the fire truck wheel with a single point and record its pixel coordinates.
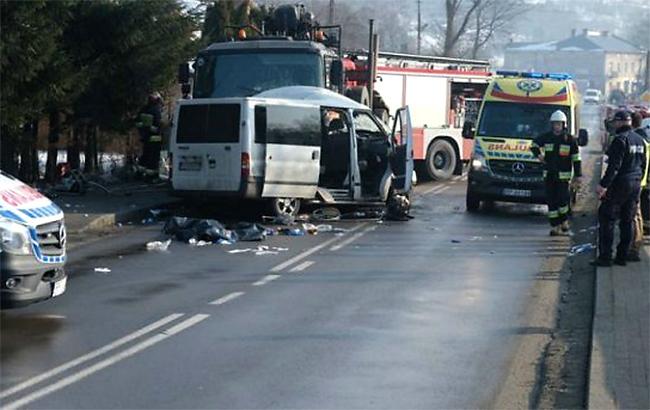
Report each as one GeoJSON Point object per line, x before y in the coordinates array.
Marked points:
{"type": "Point", "coordinates": [358, 94]}
{"type": "Point", "coordinates": [284, 206]}
{"type": "Point", "coordinates": [441, 160]}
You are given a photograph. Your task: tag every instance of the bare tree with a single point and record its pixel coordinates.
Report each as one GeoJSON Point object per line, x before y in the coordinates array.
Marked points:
{"type": "Point", "coordinates": [458, 15]}
{"type": "Point", "coordinates": [491, 17]}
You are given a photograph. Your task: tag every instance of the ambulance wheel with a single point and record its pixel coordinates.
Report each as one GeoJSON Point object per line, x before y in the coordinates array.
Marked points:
{"type": "Point", "coordinates": [472, 202]}
{"type": "Point", "coordinates": [441, 160]}
{"type": "Point", "coordinates": [285, 206]}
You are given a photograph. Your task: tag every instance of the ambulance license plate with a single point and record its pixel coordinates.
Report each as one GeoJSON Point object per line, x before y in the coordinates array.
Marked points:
{"type": "Point", "coordinates": [520, 193]}
{"type": "Point", "coordinates": [59, 287]}
{"type": "Point", "coordinates": [189, 166]}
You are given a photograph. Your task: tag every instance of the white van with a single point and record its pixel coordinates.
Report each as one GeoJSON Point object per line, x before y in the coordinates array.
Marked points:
{"type": "Point", "coordinates": [592, 96]}
{"type": "Point", "coordinates": [32, 251]}
{"type": "Point", "coordinates": [287, 145]}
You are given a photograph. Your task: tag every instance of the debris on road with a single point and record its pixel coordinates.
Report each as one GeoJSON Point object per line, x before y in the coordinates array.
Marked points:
{"type": "Point", "coordinates": [250, 232]}
{"type": "Point", "coordinates": [326, 214]}
{"type": "Point", "coordinates": [285, 220]}
{"type": "Point", "coordinates": [585, 247]}
{"type": "Point", "coordinates": [102, 270]}
{"type": "Point", "coordinates": [455, 241]}
{"type": "Point", "coordinates": [261, 250]}
{"type": "Point", "coordinates": [159, 245]}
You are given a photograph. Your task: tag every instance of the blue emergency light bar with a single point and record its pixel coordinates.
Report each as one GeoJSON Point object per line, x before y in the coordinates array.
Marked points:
{"type": "Point", "coordinates": [533, 74]}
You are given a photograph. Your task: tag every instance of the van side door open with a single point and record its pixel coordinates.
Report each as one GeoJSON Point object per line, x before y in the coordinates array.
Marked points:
{"type": "Point", "coordinates": [293, 150]}
{"type": "Point", "coordinates": [402, 160]}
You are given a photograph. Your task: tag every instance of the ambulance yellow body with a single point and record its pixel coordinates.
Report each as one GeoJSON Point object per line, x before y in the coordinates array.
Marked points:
{"type": "Point", "coordinates": [516, 109]}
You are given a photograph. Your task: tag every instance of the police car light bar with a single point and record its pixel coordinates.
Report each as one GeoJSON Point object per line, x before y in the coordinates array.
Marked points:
{"type": "Point", "coordinates": [533, 74]}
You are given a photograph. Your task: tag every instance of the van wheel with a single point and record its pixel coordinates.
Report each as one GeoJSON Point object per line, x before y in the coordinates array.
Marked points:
{"type": "Point", "coordinates": [472, 202]}
{"type": "Point", "coordinates": [441, 160]}
{"type": "Point", "coordinates": [285, 206]}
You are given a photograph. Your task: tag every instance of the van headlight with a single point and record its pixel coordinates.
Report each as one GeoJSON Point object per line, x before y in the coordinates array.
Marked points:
{"type": "Point", "coordinates": [479, 163]}
{"type": "Point", "coordinates": [14, 238]}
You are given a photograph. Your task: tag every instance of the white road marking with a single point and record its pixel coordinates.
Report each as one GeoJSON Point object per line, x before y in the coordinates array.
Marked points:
{"type": "Point", "coordinates": [352, 238]}
{"type": "Point", "coordinates": [435, 189]}
{"type": "Point", "coordinates": [82, 374]}
{"type": "Point", "coordinates": [302, 266]}
{"type": "Point", "coordinates": [315, 249]}
{"type": "Point", "coordinates": [266, 279]}
{"type": "Point", "coordinates": [227, 298]}
{"type": "Point", "coordinates": [464, 178]}
{"type": "Point", "coordinates": [443, 189]}
{"type": "Point", "coordinates": [89, 356]}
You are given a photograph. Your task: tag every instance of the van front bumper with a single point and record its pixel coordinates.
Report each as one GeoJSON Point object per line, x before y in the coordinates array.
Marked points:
{"type": "Point", "coordinates": [34, 281]}
{"type": "Point", "coordinates": [484, 186]}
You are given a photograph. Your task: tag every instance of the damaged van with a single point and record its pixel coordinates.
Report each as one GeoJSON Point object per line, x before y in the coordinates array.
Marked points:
{"type": "Point", "coordinates": [32, 247]}
{"type": "Point", "coordinates": [289, 145]}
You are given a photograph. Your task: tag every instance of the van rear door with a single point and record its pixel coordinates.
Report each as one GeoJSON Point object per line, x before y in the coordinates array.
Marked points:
{"type": "Point", "coordinates": [293, 145]}
{"type": "Point", "coordinates": [207, 154]}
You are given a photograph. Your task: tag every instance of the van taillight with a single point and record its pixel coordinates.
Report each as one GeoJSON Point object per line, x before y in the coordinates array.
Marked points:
{"type": "Point", "coordinates": [245, 165]}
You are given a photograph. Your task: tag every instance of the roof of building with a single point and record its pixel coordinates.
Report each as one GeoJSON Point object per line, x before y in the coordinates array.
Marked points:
{"type": "Point", "coordinates": [587, 41]}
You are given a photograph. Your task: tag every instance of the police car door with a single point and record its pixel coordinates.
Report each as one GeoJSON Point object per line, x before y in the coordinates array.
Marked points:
{"type": "Point", "coordinates": [293, 149]}
{"type": "Point", "coordinates": [402, 161]}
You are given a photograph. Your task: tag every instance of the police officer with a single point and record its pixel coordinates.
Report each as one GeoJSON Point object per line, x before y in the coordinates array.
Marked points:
{"type": "Point", "coordinates": [149, 120]}
{"type": "Point", "coordinates": [558, 151]}
{"type": "Point", "coordinates": [634, 255]}
{"type": "Point", "coordinates": [619, 190]}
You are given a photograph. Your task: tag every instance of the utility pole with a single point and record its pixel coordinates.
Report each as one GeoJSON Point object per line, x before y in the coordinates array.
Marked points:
{"type": "Point", "coordinates": [331, 16]}
{"type": "Point", "coordinates": [419, 27]}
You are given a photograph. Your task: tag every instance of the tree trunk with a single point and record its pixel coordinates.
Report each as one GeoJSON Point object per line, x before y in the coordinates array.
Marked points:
{"type": "Point", "coordinates": [90, 150]}
{"type": "Point", "coordinates": [28, 171]}
{"type": "Point", "coordinates": [73, 147]}
{"type": "Point", "coordinates": [53, 147]}
{"type": "Point", "coordinates": [8, 151]}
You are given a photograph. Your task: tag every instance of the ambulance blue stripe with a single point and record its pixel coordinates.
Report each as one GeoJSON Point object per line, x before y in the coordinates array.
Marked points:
{"type": "Point", "coordinates": [12, 216]}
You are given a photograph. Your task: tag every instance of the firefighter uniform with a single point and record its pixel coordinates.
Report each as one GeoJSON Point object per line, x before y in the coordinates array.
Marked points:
{"type": "Point", "coordinates": [561, 163]}
{"type": "Point", "coordinates": [622, 180]}
{"type": "Point", "coordinates": [148, 124]}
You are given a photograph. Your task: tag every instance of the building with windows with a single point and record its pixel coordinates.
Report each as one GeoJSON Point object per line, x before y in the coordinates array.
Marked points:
{"type": "Point", "coordinates": [596, 59]}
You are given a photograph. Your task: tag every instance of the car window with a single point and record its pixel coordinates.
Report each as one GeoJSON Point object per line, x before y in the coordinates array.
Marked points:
{"type": "Point", "coordinates": [363, 122]}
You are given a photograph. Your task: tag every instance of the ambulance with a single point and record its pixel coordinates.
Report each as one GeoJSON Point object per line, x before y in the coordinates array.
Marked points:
{"type": "Point", "coordinates": [32, 247]}
{"type": "Point", "coordinates": [516, 109]}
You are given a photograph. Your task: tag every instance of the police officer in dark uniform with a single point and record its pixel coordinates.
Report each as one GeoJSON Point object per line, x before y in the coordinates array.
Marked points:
{"type": "Point", "coordinates": [619, 190]}
{"type": "Point", "coordinates": [561, 159]}
{"type": "Point", "coordinates": [149, 121]}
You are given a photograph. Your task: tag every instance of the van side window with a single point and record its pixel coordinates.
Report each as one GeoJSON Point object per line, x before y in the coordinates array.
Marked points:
{"type": "Point", "coordinates": [364, 123]}
{"type": "Point", "coordinates": [260, 124]}
{"type": "Point", "coordinates": [293, 125]}
{"type": "Point", "coordinates": [208, 124]}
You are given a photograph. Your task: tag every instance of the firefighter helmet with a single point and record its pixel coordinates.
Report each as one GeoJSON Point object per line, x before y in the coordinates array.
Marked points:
{"type": "Point", "coordinates": [559, 116]}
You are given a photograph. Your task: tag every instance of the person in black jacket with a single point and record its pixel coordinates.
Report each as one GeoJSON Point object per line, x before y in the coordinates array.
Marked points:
{"type": "Point", "coordinates": [559, 152]}
{"type": "Point", "coordinates": [148, 124]}
{"type": "Point", "coordinates": [619, 190]}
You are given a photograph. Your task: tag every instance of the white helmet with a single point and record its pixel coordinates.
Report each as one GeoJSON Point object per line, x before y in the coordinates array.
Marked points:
{"type": "Point", "coordinates": [559, 116]}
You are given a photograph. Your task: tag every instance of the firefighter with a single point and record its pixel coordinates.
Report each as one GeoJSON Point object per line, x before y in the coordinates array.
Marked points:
{"type": "Point", "coordinates": [634, 254]}
{"type": "Point", "coordinates": [149, 121]}
{"type": "Point", "coordinates": [619, 190]}
{"type": "Point", "coordinates": [558, 151]}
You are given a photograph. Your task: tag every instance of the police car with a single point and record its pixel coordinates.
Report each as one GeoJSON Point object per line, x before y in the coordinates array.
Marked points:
{"type": "Point", "coordinates": [32, 246]}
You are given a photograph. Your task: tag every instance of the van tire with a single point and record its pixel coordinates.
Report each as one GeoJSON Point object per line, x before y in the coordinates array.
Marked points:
{"type": "Point", "coordinates": [441, 160]}
{"type": "Point", "coordinates": [472, 202]}
{"type": "Point", "coordinates": [284, 206]}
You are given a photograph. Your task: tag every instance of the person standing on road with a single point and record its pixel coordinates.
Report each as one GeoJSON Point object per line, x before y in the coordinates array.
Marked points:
{"type": "Point", "coordinates": [635, 249]}
{"type": "Point", "coordinates": [149, 121]}
{"type": "Point", "coordinates": [559, 152]}
{"type": "Point", "coordinates": [645, 191]}
{"type": "Point", "coordinates": [619, 190]}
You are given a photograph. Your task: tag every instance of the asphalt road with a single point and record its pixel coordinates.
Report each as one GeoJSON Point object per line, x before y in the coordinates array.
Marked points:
{"type": "Point", "coordinates": [417, 314]}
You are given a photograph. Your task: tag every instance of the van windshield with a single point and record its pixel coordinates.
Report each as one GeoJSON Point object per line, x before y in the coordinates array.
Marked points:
{"type": "Point", "coordinates": [515, 120]}
{"type": "Point", "coordinates": [246, 73]}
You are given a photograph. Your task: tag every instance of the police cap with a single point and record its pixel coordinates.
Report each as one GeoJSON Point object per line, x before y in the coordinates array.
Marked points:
{"type": "Point", "coordinates": [622, 115]}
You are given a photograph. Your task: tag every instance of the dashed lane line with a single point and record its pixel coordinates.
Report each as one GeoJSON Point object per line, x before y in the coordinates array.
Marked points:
{"type": "Point", "coordinates": [311, 251]}
{"type": "Point", "coordinates": [89, 356]}
{"type": "Point", "coordinates": [266, 279]}
{"type": "Point", "coordinates": [302, 266]}
{"type": "Point", "coordinates": [82, 374]}
{"type": "Point", "coordinates": [227, 298]}
{"type": "Point", "coordinates": [352, 238]}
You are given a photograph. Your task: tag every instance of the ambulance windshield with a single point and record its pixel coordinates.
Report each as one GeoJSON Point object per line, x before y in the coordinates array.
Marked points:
{"type": "Point", "coordinates": [517, 120]}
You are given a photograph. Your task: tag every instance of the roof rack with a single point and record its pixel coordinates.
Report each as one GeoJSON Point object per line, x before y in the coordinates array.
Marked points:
{"type": "Point", "coordinates": [533, 74]}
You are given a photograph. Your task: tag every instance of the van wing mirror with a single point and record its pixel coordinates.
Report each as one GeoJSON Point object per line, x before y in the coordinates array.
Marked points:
{"type": "Point", "coordinates": [183, 73]}
{"type": "Point", "coordinates": [336, 73]}
{"type": "Point", "coordinates": [583, 137]}
{"type": "Point", "coordinates": [468, 130]}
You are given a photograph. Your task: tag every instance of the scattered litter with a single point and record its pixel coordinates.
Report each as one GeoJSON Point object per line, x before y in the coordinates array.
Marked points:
{"type": "Point", "coordinates": [364, 214]}
{"type": "Point", "coordinates": [398, 207]}
{"type": "Point", "coordinates": [86, 215]}
{"type": "Point", "coordinates": [324, 228]}
{"type": "Point", "coordinates": [194, 242]}
{"type": "Point", "coordinates": [207, 230]}
{"type": "Point", "coordinates": [310, 229]}
{"type": "Point", "coordinates": [326, 214]}
{"type": "Point", "coordinates": [235, 251]}
{"type": "Point", "coordinates": [119, 224]}
{"type": "Point", "coordinates": [585, 247]}
{"type": "Point", "coordinates": [102, 270]}
{"type": "Point", "coordinates": [492, 252]}
{"type": "Point", "coordinates": [68, 205]}
{"type": "Point", "coordinates": [159, 245]}
{"type": "Point", "coordinates": [455, 241]}
{"type": "Point", "coordinates": [250, 232]}
{"type": "Point", "coordinates": [261, 250]}
{"type": "Point", "coordinates": [476, 238]}
{"type": "Point", "coordinates": [292, 231]}
{"type": "Point", "coordinates": [496, 236]}
{"type": "Point", "coordinates": [591, 228]}
{"type": "Point", "coordinates": [285, 220]}
{"type": "Point", "coordinates": [148, 221]}
{"type": "Point", "coordinates": [155, 212]}
{"type": "Point", "coordinates": [262, 253]}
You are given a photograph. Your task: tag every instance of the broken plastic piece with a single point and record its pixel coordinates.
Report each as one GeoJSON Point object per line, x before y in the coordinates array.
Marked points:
{"type": "Point", "coordinates": [158, 245]}
{"type": "Point", "coordinates": [585, 247]}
